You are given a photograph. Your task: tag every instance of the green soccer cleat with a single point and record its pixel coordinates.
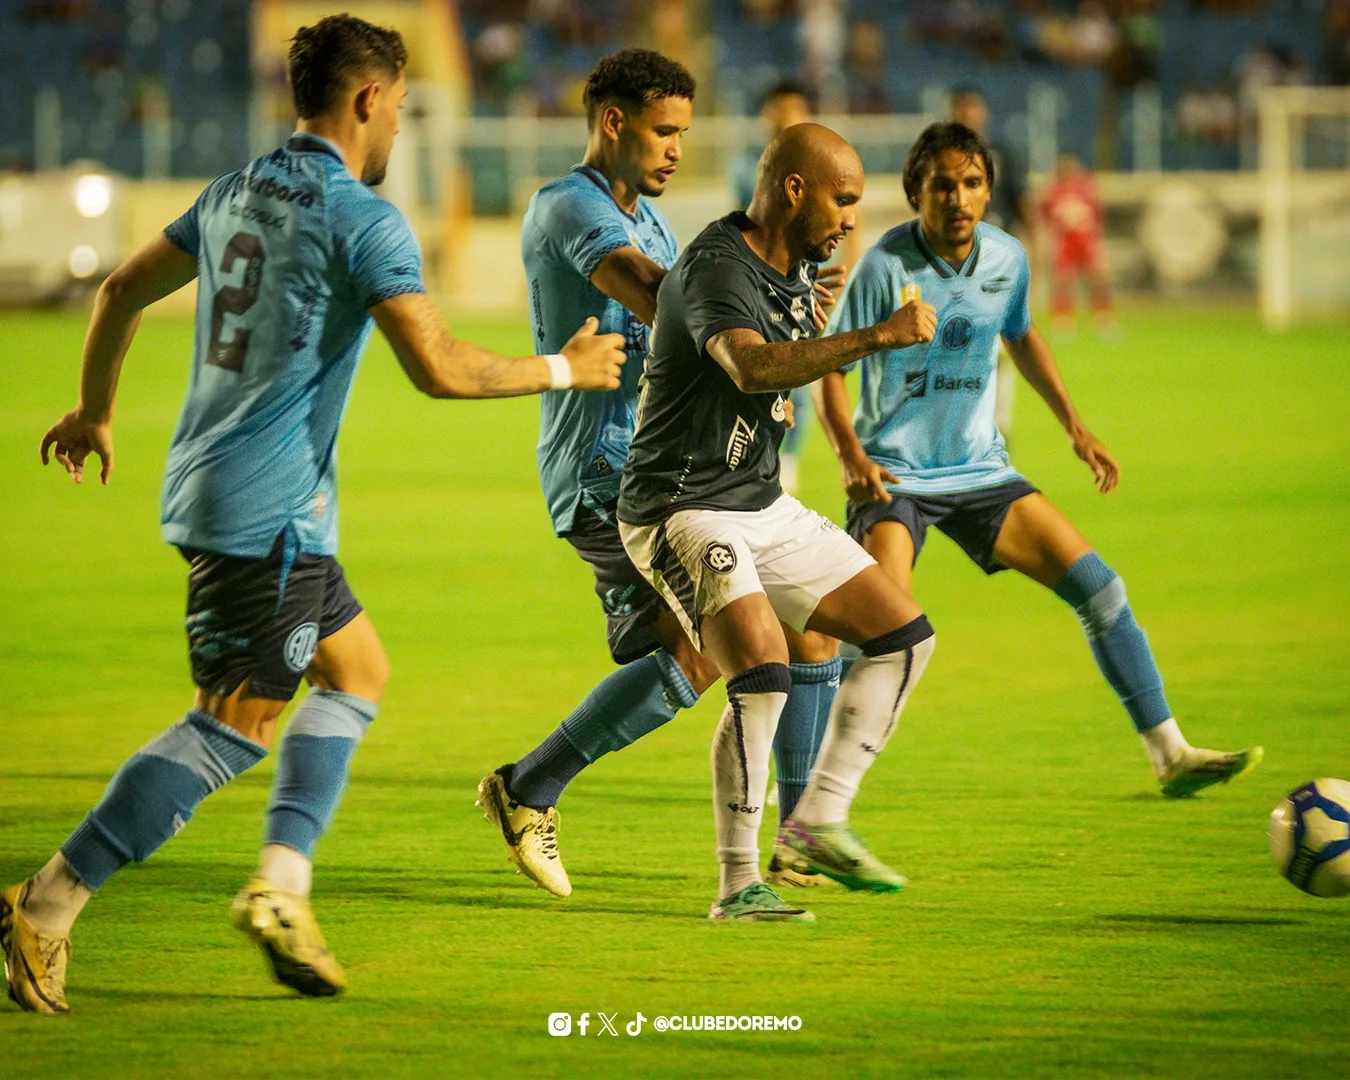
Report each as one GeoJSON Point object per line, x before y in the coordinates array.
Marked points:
{"type": "Point", "coordinates": [759, 903]}
{"type": "Point", "coordinates": [35, 965]}
{"type": "Point", "coordinates": [283, 926]}
{"type": "Point", "coordinates": [836, 852]}
{"type": "Point", "coordinates": [1196, 770]}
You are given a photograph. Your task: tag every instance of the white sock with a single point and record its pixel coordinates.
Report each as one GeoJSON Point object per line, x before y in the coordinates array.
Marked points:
{"type": "Point", "coordinates": [741, 749]}
{"type": "Point", "coordinates": [55, 898]}
{"type": "Point", "coordinates": [286, 869]}
{"type": "Point", "coordinates": [1164, 743]}
{"type": "Point", "coordinates": [864, 714]}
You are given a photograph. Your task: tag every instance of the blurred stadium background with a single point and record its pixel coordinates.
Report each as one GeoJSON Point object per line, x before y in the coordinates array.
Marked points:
{"type": "Point", "coordinates": [1219, 129]}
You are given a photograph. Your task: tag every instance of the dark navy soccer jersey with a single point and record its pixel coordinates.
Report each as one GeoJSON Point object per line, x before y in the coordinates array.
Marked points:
{"type": "Point", "coordinates": [926, 413]}
{"type": "Point", "coordinates": [292, 252]}
{"type": "Point", "coordinates": [571, 226]}
{"type": "Point", "coordinates": [702, 442]}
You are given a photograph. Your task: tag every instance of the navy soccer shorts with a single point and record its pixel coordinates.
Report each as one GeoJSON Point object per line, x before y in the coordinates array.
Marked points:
{"type": "Point", "coordinates": [262, 619]}
{"type": "Point", "coordinates": [971, 518]}
{"type": "Point", "coordinates": [631, 605]}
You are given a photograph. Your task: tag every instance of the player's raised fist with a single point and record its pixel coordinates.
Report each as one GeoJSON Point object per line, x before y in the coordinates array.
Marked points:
{"type": "Point", "coordinates": [913, 324]}
{"type": "Point", "coordinates": [596, 359]}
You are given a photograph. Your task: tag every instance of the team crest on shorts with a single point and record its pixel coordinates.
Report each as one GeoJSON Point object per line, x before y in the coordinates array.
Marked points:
{"type": "Point", "coordinates": [301, 646]}
{"type": "Point", "coordinates": [719, 558]}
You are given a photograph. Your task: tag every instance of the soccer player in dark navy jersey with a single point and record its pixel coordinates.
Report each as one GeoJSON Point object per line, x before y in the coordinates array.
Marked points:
{"type": "Point", "coordinates": [702, 513]}
{"type": "Point", "coordinates": [297, 259]}
{"type": "Point", "coordinates": [595, 244]}
{"type": "Point", "coordinates": [923, 449]}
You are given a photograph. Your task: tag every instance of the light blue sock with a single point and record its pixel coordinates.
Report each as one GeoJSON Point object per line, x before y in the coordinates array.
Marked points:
{"type": "Point", "coordinates": [802, 727]}
{"type": "Point", "coordinates": [312, 773]}
{"type": "Point", "coordinates": [154, 793]}
{"type": "Point", "coordinates": [622, 707]}
{"type": "Point", "coordinates": [1118, 644]}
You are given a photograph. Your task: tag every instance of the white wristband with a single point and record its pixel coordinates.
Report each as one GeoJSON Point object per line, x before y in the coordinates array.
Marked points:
{"type": "Point", "coordinates": [560, 371]}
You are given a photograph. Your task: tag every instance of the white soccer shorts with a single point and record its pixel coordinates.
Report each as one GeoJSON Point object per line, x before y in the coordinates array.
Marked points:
{"type": "Point", "coordinates": [702, 560]}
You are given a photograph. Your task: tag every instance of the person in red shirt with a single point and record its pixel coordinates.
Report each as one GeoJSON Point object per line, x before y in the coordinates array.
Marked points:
{"type": "Point", "coordinates": [1072, 212]}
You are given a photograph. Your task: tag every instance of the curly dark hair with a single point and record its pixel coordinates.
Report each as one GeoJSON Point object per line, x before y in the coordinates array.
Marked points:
{"type": "Point", "coordinates": [932, 141]}
{"type": "Point", "coordinates": [327, 56]}
{"type": "Point", "coordinates": [634, 79]}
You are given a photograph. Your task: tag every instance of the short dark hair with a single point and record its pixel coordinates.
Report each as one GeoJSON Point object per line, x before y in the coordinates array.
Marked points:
{"type": "Point", "coordinates": [965, 91]}
{"type": "Point", "coordinates": [327, 56]}
{"type": "Point", "coordinates": [932, 142]}
{"type": "Point", "coordinates": [789, 88]}
{"type": "Point", "coordinates": [634, 79]}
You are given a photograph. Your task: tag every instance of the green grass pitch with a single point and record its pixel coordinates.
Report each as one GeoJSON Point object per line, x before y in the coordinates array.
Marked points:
{"type": "Point", "coordinates": [1062, 919]}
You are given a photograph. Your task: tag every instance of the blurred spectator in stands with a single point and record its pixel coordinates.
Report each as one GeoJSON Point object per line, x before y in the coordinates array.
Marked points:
{"type": "Point", "coordinates": [1071, 210]}
{"type": "Point", "coordinates": [1336, 27]}
{"type": "Point", "coordinates": [1134, 59]}
{"type": "Point", "coordinates": [1086, 37]}
{"type": "Point", "coordinates": [498, 63]}
{"type": "Point", "coordinates": [867, 69]}
{"type": "Point", "coordinates": [822, 35]}
{"type": "Point", "coordinates": [1208, 115]}
{"type": "Point", "coordinates": [763, 11]}
{"type": "Point", "coordinates": [1270, 64]}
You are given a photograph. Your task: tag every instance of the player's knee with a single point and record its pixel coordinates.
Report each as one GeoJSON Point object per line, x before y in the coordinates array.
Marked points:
{"type": "Point", "coordinates": [812, 648]}
{"type": "Point", "coordinates": [698, 669]}
{"type": "Point", "coordinates": [1095, 592]}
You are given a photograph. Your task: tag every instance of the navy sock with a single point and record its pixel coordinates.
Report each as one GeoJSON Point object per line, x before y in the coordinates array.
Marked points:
{"type": "Point", "coordinates": [1121, 650]}
{"type": "Point", "coordinates": [801, 727]}
{"type": "Point", "coordinates": [311, 776]}
{"type": "Point", "coordinates": [622, 707]}
{"type": "Point", "coordinates": [154, 794]}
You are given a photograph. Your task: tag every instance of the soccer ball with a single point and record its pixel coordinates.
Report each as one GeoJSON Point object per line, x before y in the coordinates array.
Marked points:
{"type": "Point", "coordinates": [1310, 837]}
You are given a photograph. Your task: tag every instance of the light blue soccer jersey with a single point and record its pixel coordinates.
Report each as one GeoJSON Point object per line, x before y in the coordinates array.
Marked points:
{"type": "Point", "coordinates": [292, 251]}
{"type": "Point", "coordinates": [570, 227]}
{"type": "Point", "coordinates": [926, 413]}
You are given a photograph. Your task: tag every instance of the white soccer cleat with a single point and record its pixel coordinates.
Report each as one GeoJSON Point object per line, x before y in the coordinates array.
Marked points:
{"type": "Point", "coordinates": [531, 835]}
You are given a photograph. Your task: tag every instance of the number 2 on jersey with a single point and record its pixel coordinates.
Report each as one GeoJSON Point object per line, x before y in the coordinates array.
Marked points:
{"type": "Point", "coordinates": [235, 300]}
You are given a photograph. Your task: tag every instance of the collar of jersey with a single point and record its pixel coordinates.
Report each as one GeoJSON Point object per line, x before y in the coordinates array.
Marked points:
{"type": "Point", "coordinates": [735, 220]}
{"type": "Point", "coordinates": [941, 265]}
{"type": "Point", "coordinates": [596, 177]}
{"type": "Point", "coordinates": [307, 142]}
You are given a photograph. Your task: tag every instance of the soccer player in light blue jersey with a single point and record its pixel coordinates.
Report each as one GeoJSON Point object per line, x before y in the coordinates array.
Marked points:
{"type": "Point", "coordinates": [296, 259]}
{"type": "Point", "coordinates": [923, 450]}
{"type": "Point", "coordinates": [595, 245]}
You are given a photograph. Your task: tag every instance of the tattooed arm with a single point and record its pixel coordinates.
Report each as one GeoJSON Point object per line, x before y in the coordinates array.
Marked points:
{"type": "Point", "coordinates": [443, 367]}
{"type": "Point", "coordinates": [756, 365]}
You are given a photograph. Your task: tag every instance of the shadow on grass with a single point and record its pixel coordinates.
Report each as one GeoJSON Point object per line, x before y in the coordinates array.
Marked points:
{"type": "Point", "coordinates": [124, 994]}
{"type": "Point", "coordinates": [1199, 920]}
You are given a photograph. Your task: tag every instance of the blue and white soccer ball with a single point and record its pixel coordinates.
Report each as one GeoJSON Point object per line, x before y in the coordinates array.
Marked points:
{"type": "Point", "coordinates": [1310, 837]}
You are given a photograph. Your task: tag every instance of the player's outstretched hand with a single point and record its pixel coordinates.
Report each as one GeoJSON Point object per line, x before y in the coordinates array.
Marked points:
{"type": "Point", "coordinates": [73, 438]}
{"type": "Point", "coordinates": [913, 324]}
{"type": "Point", "coordinates": [1104, 468]}
{"type": "Point", "coordinates": [865, 481]}
{"type": "Point", "coordinates": [596, 359]}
